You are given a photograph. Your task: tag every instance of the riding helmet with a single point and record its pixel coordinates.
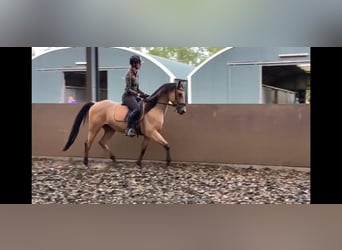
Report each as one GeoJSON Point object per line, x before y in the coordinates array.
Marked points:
{"type": "Point", "coordinates": [134, 59]}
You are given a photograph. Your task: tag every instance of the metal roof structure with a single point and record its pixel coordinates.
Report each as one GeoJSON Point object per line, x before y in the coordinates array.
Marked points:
{"type": "Point", "coordinates": [181, 70]}
{"type": "Point", "coordinates": [174, 69]}
{"type": "Point", "coordinates": [49, 70]}
{"type": "Point", "coordinates": [237, 74]}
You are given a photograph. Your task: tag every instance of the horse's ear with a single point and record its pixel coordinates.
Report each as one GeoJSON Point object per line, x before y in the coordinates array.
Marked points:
{"type": "Point", "coordinates": [180, 85]}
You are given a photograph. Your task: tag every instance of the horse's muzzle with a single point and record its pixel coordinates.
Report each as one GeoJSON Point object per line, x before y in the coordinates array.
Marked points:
{"type": "Point", "coordinates": [181, 111]}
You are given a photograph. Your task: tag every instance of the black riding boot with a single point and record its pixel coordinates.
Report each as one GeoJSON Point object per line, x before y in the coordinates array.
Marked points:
{"type": "Point", "coordinates": [130, 131]}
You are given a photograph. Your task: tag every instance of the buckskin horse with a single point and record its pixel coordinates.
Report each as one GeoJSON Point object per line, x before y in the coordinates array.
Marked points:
{"type": "Point", "coordinates": [112, 117]}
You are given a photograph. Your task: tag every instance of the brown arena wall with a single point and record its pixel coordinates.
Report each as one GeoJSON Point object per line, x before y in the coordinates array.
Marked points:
{"type": "Point", "coordinates": [267, 134]}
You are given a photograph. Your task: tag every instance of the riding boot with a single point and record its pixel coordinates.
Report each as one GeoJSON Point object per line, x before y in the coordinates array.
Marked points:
{"type": "Point", "coordinates": [130, 131]}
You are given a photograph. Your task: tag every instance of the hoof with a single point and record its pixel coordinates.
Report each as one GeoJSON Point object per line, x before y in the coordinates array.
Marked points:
{"type": "Point", "coordinates": [85, 162]}
{"type": "Point", "coordinates": [138, 163]}
{"type": "Point", "coordinates": [113, 158]}
{"type": "Point", "coordinates": [168, 163]}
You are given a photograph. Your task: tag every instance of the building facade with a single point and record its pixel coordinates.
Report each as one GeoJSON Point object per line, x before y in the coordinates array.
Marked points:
{"type": "Point", "coordinates": [252, 75]}
{"type": "Point", "coordinates": [60, 74]}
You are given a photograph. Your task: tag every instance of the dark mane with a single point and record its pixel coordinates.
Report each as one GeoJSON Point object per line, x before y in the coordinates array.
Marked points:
{"type": "Point", "coordinates": [151, 101]}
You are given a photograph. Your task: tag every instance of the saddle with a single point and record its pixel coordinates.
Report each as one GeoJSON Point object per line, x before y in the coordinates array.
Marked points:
{"type": "Point", "coordinates": [122, 112]}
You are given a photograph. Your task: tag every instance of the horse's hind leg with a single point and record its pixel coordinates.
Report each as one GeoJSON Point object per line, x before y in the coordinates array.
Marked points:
{"type": "Point", "coordinates": [92, 132]}
{"type": "Point", "coordinates": [108, 133]}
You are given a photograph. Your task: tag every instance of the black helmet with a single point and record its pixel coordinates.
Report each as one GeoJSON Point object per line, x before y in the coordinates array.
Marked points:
{"type": "Point", "coordinates": [134, 59]}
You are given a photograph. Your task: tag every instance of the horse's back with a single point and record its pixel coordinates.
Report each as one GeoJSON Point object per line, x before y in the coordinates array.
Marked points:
{"type": "Point", "coordinates": [103, 109]}
{"type": "Point", "coordinates": [109, 112]}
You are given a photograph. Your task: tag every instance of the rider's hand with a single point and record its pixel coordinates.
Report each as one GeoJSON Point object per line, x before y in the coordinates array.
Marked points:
{"type": "Point", "coordinates": [144, 96]}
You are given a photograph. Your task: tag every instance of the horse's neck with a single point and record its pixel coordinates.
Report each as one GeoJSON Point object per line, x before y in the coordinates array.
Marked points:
{"type": "Point", "coordinates": [162, 104]}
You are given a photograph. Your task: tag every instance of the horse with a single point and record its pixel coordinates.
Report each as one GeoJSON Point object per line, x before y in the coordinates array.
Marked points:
{"type": "Point", "coordinates": [111, 116]}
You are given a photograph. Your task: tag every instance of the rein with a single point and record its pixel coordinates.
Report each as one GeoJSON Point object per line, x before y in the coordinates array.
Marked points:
{"type": "Point", "coordinates": [169, 104]}
{"type": "Point", "coordinates": [177, 104]}
{"type": "Point", "coordinates": [172, 104]}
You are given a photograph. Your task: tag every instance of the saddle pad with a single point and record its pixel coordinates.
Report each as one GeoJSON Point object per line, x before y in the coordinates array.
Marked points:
{"type": "Point", "coordinates": [120, 113]}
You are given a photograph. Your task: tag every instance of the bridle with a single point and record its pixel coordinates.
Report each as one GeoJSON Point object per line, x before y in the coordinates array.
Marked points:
{"type": "Point", "coordinates": [177, 104]}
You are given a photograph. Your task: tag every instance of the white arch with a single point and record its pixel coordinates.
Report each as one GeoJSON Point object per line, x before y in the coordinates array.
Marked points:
{"type": "Point", "coordinates": [200, 66]}
{"type": "Point", "coordinates": [146, 56]}
{"type": "Point", "coordinates": [50, 50]}
{"type": "Point", "coordinates": [156, 62]}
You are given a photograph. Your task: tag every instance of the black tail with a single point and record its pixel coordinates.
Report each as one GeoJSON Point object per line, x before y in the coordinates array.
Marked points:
{"type": "Point", "coordinates": [81, 116]}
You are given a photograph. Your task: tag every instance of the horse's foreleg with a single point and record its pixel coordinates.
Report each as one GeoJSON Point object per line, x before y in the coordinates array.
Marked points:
{"type": "Point", "coordinates": [143, 150]}
{"type": "Point", "coordinates": [109, 132]}
{"type": "Point", "coordinates": [156, 136]}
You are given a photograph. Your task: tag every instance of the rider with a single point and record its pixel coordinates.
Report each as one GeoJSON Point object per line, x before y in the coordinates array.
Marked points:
{"type": "Point", "coordinates": [131, 93]}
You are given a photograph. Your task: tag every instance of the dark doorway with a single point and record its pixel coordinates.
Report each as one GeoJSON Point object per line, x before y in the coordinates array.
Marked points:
{"type": "Point", "coordinates": [285, 79]}
{"type": "Point", "coordinates": [75, 86]}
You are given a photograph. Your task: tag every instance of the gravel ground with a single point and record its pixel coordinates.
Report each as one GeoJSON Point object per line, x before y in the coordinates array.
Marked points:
{"type": "Point", "coordinates": [68, 181]}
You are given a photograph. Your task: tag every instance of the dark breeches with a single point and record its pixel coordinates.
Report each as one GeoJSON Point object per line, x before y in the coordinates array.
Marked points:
{"type": "Point", "coordinates": [133, 106]}
{"type": "Point", "coordinates": [131, 102]}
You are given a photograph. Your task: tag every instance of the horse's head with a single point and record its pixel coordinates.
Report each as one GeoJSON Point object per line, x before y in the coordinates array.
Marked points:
{"type": "Point", "coordinates": [178, 98]}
